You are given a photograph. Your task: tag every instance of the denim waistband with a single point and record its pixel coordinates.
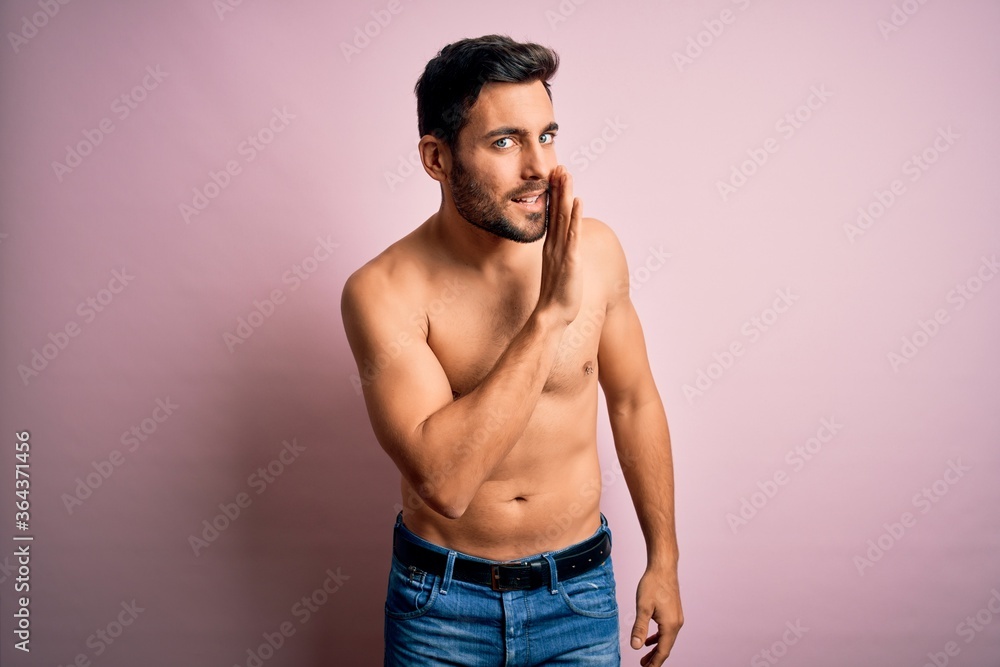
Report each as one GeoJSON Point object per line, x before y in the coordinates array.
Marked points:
{"type": "Point", "coordinates": [405, 533]}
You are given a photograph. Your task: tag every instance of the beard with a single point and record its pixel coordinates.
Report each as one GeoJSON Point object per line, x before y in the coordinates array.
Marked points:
{"type": "Point", "coordinates": [480, 208]}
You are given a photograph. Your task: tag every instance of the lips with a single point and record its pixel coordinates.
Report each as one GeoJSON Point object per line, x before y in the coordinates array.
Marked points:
{"type": "Point", "coordinates": [529, 198]}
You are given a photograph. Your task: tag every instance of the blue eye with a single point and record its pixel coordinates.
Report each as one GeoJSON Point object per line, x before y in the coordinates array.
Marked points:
{"type": "Point", "coordinates": [497, 142]}
{"type": "Point", "coordinates": [551, 137]}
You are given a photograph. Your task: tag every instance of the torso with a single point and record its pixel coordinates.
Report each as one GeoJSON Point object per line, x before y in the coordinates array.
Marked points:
{"type": "Point", "coordinates": [545, 494]}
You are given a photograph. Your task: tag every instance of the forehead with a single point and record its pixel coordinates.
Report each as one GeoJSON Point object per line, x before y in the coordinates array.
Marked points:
{"type": "Point", "coordinates": [524, 105]}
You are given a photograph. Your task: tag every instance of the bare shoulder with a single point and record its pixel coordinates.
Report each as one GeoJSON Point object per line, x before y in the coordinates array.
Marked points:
{"type": "Point", "coordinates": [600, 238]}
{"type": "Point", "coordinates": [394, 272]}
{"type": "Point", "coordinates": [386, 287]}
{"type": "Point", "coordinates": [603, 250]}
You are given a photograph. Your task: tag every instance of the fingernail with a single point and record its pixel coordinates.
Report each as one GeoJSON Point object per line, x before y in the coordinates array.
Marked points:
{"type": "Point", "coordinates": [636, 642]}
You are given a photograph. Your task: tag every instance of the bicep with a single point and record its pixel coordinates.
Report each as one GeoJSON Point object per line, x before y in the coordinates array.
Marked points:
{"type": "Point", "coordinates": [402, 381]}
{"type": "Point", "coordinates": [625, 375]}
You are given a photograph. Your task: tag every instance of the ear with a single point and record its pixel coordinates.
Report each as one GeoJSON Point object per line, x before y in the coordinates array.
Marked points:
{"type": "Point", "coordinates": [435, 156]}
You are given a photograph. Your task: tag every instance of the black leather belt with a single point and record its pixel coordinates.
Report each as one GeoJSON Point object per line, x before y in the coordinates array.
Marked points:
{"type": "Point", "coordinates": [507, 576]}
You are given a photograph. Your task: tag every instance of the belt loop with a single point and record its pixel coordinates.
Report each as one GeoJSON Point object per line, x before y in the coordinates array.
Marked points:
{"type": "Point", "coordinates": [448, 568]}
{"type": "Point", "coordinates": [553, 573]}
{"type": "Point", "coordinates": [399, 519]}
{"type": "Point", "coordinates": [606, 528]}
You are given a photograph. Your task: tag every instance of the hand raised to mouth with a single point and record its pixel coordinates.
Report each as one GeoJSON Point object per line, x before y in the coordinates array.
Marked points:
{"type": "Point", "coordinates": [562, 284]}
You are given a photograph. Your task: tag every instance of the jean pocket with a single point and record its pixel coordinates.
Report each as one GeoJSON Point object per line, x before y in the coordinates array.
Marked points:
{"type": "Point", "coordinates": [592, 593]}
{"type": "Point", "coordinates": [412, 592]}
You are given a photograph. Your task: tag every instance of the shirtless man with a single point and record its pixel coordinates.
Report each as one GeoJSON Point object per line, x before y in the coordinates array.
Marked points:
{"type": "Point", "coordinates": [481, 347]}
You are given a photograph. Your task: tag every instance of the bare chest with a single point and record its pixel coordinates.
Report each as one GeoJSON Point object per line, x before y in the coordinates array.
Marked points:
{"type": "Point", "coordinates": [469, 338]}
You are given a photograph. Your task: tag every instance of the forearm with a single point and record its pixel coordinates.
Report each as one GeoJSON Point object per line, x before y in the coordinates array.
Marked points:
{"type": "Point", "coordinates": [469, 437]}
{"type": "Point", "coordinates": [642, 440]}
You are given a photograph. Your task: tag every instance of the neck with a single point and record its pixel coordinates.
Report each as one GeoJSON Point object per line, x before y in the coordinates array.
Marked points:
{"type": "Point", "coordinates": [469, 245]}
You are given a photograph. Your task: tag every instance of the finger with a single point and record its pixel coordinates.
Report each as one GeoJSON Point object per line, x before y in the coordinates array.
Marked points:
{"type": "Point", "coordinates": [554, 199]}
{"type": "Point", "coordinates": [552, 205]}
{"type": "Point", "coordinates": [566, 203]}
{"type": "Point", "coordinates": [640, 628]}
{"type": "Point", "coordinates": [554, 186]}
{"type": "Point", "coordinates": [657, 656]}
{"type": "Point", "coordinates": [576, 214]}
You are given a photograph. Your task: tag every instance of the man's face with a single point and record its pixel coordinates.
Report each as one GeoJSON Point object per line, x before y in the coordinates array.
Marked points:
{"type": "Point", "coordinates": [500, 168]}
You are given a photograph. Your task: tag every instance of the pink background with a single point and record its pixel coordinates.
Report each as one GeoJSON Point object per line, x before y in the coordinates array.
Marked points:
{"type": "Point", "coordinates": [661, 134]}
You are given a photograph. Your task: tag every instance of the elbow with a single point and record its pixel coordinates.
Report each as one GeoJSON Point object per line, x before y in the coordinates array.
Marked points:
{"type": "Point", "coordinates": [626, 408]}
{"type": "Point", "coordinates": [449, 502]}
{"type": "Point", "coordinates": [442, 487]}
{"type": "Point", "coordinates": [447, 505]}
{"type": "Point", "coordinates": [452, 512]}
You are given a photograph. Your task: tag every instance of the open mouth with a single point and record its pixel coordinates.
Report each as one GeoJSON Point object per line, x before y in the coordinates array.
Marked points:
{"type": "Point", "coordinates": [531, 202]}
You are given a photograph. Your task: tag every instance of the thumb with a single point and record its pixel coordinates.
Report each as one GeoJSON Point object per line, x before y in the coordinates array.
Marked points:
{"type": "Point", "coordinates": [640, 628]}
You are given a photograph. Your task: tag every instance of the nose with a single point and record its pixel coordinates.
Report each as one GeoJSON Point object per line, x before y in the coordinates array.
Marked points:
{"type": "Point", "coordinates": [535, 161]}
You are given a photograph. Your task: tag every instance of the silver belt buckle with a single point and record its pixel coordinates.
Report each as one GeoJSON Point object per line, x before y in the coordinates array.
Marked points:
{"type": "Point", "coordinates": [495, 582]}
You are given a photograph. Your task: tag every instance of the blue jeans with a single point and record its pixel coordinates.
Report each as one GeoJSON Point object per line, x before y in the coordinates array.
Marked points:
{"type": "Point", "coordinates": [437, 620]}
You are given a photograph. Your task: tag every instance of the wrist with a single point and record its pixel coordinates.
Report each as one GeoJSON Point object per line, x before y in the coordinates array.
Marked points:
{"type": "Point", "coordinates": [662, 560]}
{"type": "Point", "coordinates": [547, 321]}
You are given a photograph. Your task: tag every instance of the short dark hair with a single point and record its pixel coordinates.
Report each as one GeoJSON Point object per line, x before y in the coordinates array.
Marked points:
{"type": "Point", "coordinates": [452, 80]}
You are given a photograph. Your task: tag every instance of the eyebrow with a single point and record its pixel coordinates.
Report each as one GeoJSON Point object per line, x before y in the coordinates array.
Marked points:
{"type": "Point", "coordinates": [504, 131]}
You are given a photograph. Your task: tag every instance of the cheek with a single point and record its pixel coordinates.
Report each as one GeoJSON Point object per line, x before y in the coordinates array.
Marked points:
{"type": "Point", "coordinates": [496, 183]}
{"type": "Point", "coordinates": [496, 176]}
